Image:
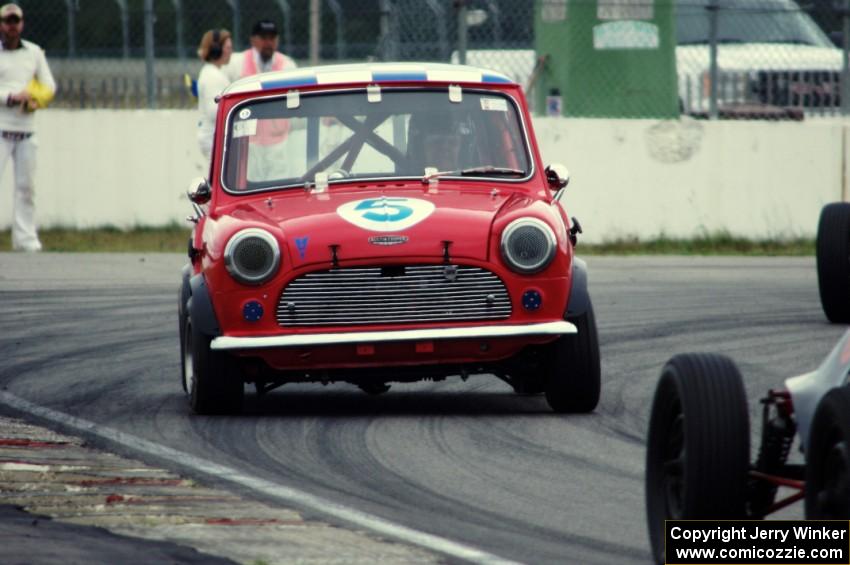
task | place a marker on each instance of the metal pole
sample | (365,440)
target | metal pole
(315,31)
(178,23)
(713,17)
(845,75)
(340,35)
(125,26)
(496,17)
(387,42)
(72,27)
(237,24)
(149,54)
(462,31)
(287,25)
(436,7)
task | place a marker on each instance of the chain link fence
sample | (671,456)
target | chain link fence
(733,58)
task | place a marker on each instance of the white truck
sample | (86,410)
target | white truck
(770,54)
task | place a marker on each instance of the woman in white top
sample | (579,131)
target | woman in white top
(215,50)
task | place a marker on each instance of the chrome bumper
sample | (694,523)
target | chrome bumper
(306,340)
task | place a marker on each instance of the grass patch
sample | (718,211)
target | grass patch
(717,244)
(173,238)
(167,239)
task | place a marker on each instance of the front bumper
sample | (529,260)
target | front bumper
(225,343)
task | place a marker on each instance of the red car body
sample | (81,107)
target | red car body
(237,332)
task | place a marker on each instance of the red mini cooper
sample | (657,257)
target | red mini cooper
(382,223)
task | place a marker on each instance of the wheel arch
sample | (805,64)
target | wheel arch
(200,308)
(578,302)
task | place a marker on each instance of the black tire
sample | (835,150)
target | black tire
(182,300)
(698,445)
(571,368)
(833,259)
(828,458)
(214,386)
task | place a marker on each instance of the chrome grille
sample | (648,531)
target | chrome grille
(393,294)
(809,89)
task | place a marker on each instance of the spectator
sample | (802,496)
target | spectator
(263,55)
(21,62)
(215,50)
(267,159)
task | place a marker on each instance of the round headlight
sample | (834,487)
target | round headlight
(528,245)
(252,256)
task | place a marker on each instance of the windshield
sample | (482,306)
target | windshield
(399,133)
(748,21)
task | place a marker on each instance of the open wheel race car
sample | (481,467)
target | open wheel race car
(698,446)
(382,223)
(698,453)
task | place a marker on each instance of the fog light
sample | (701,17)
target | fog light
(531,300)
(252,311)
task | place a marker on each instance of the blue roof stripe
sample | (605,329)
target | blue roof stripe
(290,82)
(495,79)
(388,76)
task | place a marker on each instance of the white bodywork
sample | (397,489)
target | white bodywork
(807,390)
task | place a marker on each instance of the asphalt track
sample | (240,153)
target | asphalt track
(95,336)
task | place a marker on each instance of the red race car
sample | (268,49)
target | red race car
(382,223)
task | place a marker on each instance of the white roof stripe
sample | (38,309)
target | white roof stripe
(246,86)
(343,76)
(450,75)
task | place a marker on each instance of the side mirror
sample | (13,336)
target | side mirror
(557,176)
(199,191)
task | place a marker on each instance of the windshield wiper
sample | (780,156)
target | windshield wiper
(476,171)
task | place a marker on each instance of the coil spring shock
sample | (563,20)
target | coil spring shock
(777,435)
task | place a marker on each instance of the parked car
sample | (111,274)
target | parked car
(382,223)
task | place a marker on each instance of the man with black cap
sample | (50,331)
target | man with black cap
(24,80)
(263,55)
(267,144)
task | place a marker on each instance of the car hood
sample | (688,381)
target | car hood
(694,59)
(364,224)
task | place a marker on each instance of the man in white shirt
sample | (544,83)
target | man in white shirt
(267,155)
(20,62)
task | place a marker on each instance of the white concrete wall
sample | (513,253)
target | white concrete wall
(683,178)
(629,177)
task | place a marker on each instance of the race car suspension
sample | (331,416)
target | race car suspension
(770,470)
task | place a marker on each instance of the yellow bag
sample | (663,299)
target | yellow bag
(40,93)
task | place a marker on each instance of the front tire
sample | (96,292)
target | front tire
(698,445)
(833,260)
(828,458)
(572,373)
(209,376)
